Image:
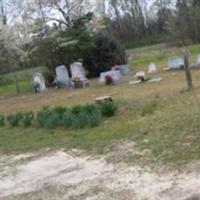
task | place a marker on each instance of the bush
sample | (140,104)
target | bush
(67,119)
(27,119)
(42,117)
(52,121)
(2,121)
(47,118)
(89,108)
(15,119)
(105,53)
(94,119)
(77,109)
(82,116)
(79,120)
(60,111)
(108,109)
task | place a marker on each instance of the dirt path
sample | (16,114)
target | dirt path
(60,176)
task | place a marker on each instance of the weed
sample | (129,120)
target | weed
(67,119)
(27,119)
(108,109)
(42,117)
(60,111)
(77,109)
(79,120)
(2,121)
(94,119)
(15,119)
(52,121)
(82,116)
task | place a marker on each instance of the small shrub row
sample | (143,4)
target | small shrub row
(16,119)
(2,121)
(76,117)
(108,109)
(79,116)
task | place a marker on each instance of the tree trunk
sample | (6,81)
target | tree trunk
(17,84)
(188,71)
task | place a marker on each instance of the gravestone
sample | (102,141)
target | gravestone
(198,61)
(125,69)
(78,74)
(152,68)
(175,63)
(39,83)
(77,70)
(62,74)
(114,74)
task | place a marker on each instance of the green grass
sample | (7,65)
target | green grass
(171,132)
(10,89)
(7,84)
(160,54)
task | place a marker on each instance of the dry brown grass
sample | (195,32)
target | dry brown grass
(173,83)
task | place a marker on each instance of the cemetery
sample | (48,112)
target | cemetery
(99,100)
(92,116)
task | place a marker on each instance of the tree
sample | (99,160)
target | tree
(184,25)
(62,46)
(12,54)
(104,54)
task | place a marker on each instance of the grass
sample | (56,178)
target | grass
(10,89)
(162,118)
(7,84)
(160,54)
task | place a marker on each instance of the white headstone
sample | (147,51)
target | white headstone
(152,68)
(175,63)
(39,80)
(77,70)
(115,74)
(198,60)
(125,69)
(62,74)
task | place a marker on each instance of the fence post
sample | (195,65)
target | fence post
(187,71)
(17,84)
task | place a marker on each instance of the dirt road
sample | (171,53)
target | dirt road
(62,176)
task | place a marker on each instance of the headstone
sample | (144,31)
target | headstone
(39,83)
(78,74)
(125,69)
(77,70)
(152,68)
(175,63)
(198,61)
(114,74)
(62,74)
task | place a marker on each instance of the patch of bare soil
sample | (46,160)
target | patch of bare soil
(62,176)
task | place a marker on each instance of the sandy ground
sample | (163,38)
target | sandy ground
(62,176)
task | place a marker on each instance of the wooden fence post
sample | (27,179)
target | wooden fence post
(187,71)
(17,84)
